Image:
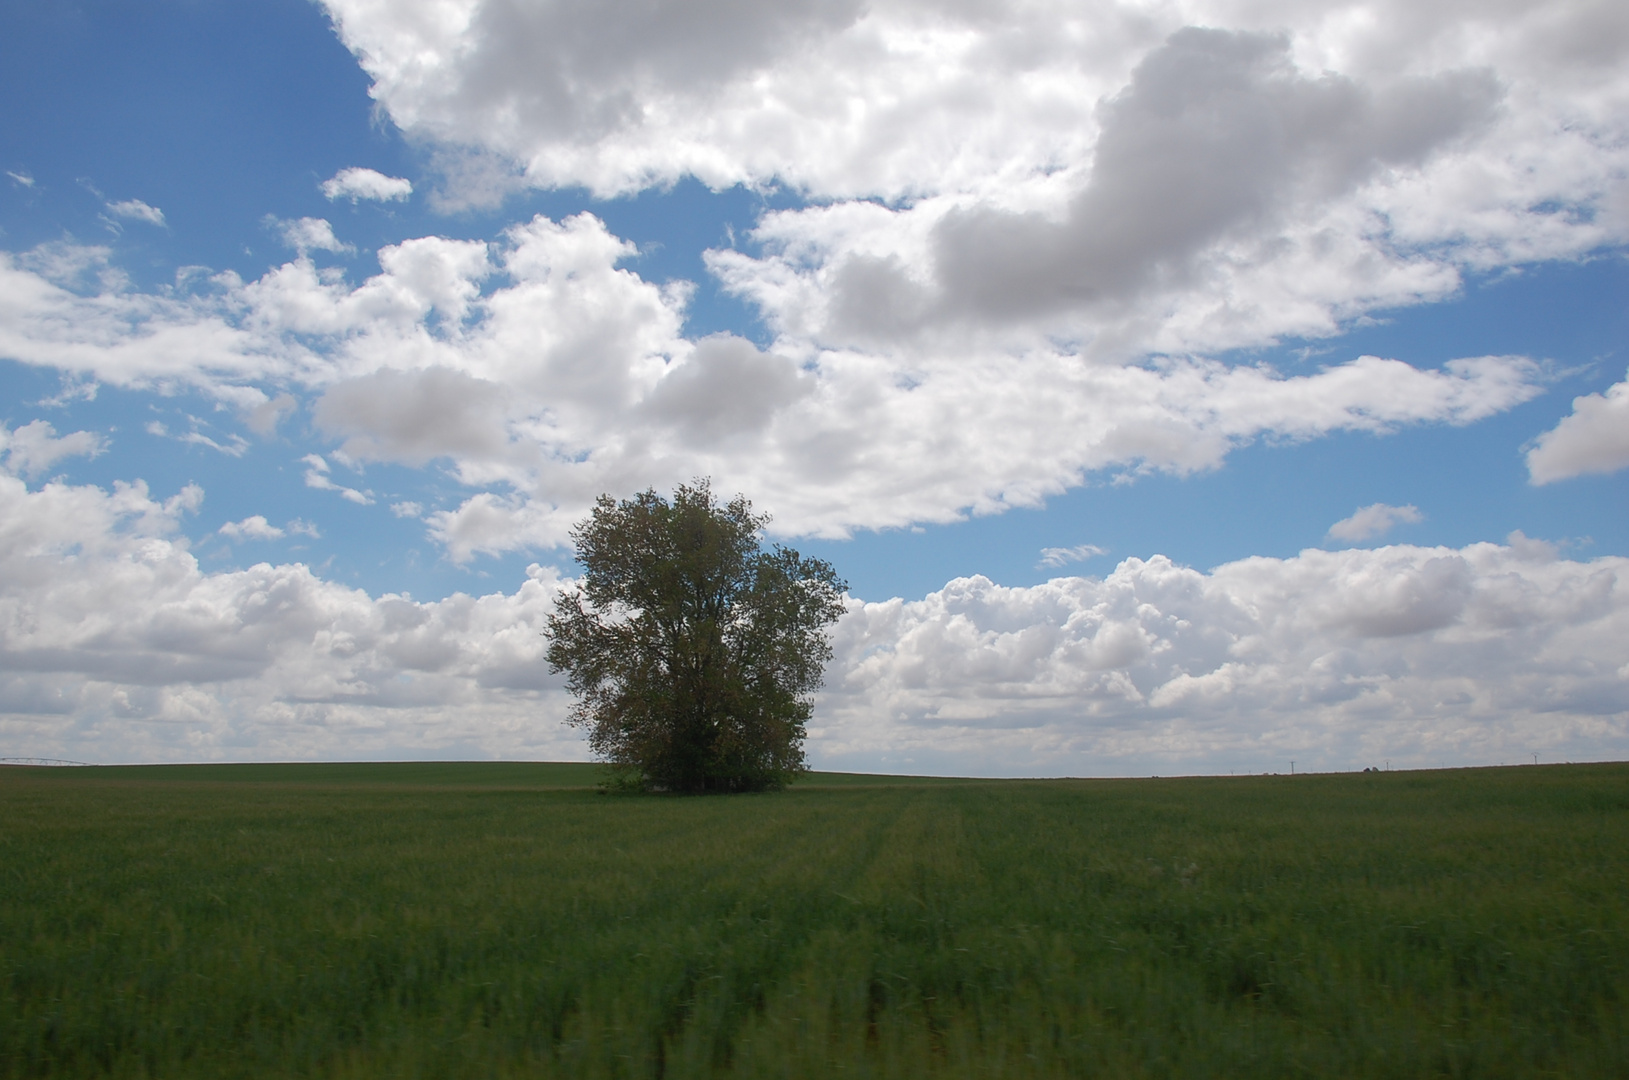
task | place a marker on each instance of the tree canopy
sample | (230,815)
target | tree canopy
(692,651)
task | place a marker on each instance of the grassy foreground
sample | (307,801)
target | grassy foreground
(504,920)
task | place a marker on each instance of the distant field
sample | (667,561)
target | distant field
(504,920)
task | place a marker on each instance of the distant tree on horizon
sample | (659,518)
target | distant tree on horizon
(692,651)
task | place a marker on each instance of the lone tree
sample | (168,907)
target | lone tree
(691,650)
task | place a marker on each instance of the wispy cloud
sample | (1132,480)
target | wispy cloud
(1062,556)
(316,476)
(21,178)
(136,210)
(1375,520)
(234,446)
(309,234)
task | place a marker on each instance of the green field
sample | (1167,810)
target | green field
(495,920)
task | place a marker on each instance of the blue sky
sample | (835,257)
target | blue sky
(1057,325)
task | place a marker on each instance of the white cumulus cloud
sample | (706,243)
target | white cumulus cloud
(1593,438)
(1377,519)
(33,448)
(359,183)
(251,528)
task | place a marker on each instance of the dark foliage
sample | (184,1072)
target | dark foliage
(692,650)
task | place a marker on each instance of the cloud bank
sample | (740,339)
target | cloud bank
(542,373)
(116,645)
(891,98)
(1035,234)
(114,641)
(1339,659)
(1128,178)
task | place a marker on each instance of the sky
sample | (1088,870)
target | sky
(1188,387)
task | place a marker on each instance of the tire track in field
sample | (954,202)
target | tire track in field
(793,867)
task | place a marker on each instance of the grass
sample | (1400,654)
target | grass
(504,920)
